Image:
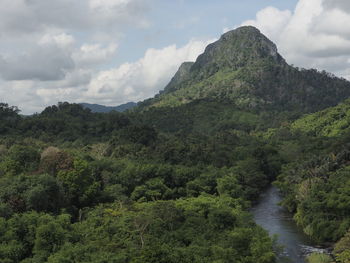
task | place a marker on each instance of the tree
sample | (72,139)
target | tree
(45,194)
(8,117)
(48,239)
(81,186)
(154,189)
(23,158)
(229,185)
(53,160)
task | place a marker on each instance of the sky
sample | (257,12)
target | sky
(115,51)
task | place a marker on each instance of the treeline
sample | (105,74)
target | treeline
(61,123)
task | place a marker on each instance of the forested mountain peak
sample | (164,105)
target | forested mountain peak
(236,49)
(245,69)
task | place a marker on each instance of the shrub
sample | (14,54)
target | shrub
(319,258)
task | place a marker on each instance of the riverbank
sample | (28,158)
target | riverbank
(277,221)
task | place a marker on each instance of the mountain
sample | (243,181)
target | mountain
(105,109)
(245,69)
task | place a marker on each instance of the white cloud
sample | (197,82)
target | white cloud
(15,91)
(107,4)
(332,22)
(143,78)
(61,39)
(20,17)
(337,4)
(314,35)
(50,50)
(271,20)
(93,54)
(128,82)
(45,40)
(41,63)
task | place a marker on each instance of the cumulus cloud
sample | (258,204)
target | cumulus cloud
(28,16)
(21,91)
(271,20)
(127,82)
(50,50)
(60,39)
(313,35)
(143,78)
(93,54)
(343,5)
(48,63)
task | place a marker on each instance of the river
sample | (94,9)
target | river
(277,221)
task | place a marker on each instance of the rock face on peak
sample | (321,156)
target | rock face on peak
(243,68)
(238,48)
(180,76)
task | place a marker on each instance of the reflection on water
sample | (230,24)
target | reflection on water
(278,221)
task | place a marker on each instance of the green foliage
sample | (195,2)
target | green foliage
(200,116)
(32,235)
(144,135)
(70,122)
(203,229)
(330,122)
(19,159)
(319,258)
(171,199)
(80,183)
(40,193)
(153,189)
(8,118)
(229,185)
(342,249)
(319,195)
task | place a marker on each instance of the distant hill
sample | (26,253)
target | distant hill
(105,109)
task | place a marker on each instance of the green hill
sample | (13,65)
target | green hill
(245,69)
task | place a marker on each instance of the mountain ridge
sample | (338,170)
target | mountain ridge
(105,109)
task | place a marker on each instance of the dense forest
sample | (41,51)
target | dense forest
(173,179)
(78,186)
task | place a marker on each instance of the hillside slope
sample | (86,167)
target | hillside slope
(334,121)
